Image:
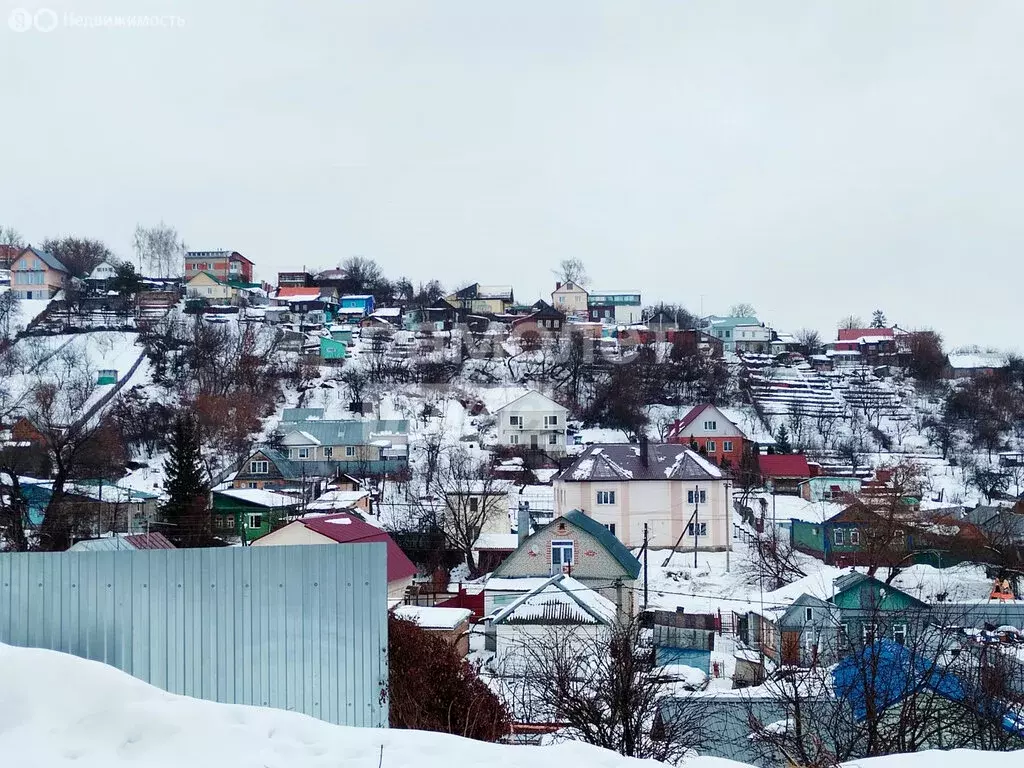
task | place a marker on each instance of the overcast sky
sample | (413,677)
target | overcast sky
(813,158)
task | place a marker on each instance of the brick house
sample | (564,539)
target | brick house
(575,544)
(712,432)
(226,266)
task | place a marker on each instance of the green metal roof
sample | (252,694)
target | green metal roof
(607,539)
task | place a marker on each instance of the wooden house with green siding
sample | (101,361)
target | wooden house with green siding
(250,512)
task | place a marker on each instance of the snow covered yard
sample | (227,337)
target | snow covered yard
(57,709)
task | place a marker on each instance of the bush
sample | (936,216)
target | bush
(432,688)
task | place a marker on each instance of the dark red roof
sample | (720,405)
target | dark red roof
(852,334)
(356,531)
(149,541)
(475,603)
(783,465)
(689,418)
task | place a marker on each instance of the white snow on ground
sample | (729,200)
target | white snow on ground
(28,310)
(955,758)
(60,710)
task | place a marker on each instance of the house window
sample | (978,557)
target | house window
(553,439)
(701,497)
(709,446)
(610,527)
(515,421)
(254,520)
(550,421)
(710,425)
(303,453)
(837,536)
(702,529)
(606,497)
(561,556)
(727,446)
(474,504)
(259,467)
(252,484)
(808,614)
(844,629)
(868,633)
(855,536)
(899,633)
(350,451)
(513,439)
(328,451)
(810,645)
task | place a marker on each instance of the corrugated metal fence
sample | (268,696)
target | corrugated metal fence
(301,628)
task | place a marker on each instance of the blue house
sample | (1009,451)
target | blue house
(884,676)
(354,307)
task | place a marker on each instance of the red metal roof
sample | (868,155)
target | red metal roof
(356,531)
(149,541)
(283,293)
(852,334)
(689,418)
(783,465)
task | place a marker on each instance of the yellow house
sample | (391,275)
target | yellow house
(206,286)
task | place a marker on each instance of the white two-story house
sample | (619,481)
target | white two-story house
(533,421)
(681,496)
(571,300)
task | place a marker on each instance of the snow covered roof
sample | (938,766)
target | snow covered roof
(501,542)
(388,312)
(623,462)
(337,500)
(433,618)
(559,599)
(123,542)
(974,360)
(259,497)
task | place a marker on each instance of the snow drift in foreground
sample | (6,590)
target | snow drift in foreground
(57,709)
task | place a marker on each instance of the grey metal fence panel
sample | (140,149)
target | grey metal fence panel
(302,628)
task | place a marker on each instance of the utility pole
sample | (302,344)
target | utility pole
(645,566)
(696,523)
(728,526)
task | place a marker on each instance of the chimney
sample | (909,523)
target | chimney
(644,450)
(523,524)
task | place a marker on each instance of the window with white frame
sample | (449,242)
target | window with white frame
(709,446)
(515,421)
(350,451)
(553,439)
(710,425)
(610,527)
(259,467)
(855,536)
(837,536)
(513,439)
(701,529)
(254,520)
(303,453)
(899,633)
(561,556)
(606,497)
(808,614)
(701,497)
(727,446)
(328,452)
(550,422)
(868,632)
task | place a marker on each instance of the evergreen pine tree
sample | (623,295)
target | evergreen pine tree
(878,319)
(782,444)
(187,509)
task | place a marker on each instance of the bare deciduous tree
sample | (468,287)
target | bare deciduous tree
(572,271)
(159,250)
(603,689)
